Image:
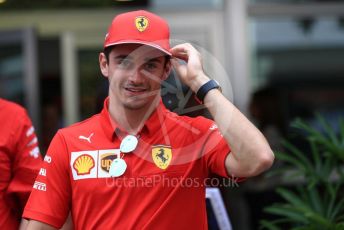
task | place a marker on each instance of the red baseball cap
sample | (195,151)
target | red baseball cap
(139,27)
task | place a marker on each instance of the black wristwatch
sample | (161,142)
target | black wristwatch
(204,89)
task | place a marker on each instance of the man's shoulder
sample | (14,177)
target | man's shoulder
(86,125)
(200,122)
(10,107)
(12,114)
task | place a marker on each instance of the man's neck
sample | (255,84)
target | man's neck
(131,120)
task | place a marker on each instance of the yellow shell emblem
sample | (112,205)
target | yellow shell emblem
(162,156)
(141,23)
(83,164)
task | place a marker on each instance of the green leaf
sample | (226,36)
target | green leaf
(312,182)
(338,209)
(327,168)
(318,220)
(293,199)
(268,225)
(299,155)
(315,154)
(302,228)
(331,202)
(299,124)
(341,125)
(277,171)
(291,159)
(328,129)
(316,201)
(290,212)
(316,135)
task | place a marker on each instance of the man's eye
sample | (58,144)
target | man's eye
(150,66)
(124,63)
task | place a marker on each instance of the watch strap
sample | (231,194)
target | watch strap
(204,89)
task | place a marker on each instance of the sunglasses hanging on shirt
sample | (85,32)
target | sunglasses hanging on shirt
(128,144)
(118,165)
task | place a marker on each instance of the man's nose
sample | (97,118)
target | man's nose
(136,76)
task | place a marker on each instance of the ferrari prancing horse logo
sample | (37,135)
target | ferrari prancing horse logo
(141,23)
(162,156)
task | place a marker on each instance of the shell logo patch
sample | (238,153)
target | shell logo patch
(162,156)
(141,23)
(83,164)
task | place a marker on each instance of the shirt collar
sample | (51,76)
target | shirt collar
(152,124)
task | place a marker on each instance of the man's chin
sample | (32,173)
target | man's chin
(136,104)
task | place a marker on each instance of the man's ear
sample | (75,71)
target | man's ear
(167,70)
(103,64)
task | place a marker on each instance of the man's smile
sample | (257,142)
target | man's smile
(135,91)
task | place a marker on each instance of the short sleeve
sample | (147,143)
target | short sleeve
(49,201)
(26,158)
(215,150)
(211,146)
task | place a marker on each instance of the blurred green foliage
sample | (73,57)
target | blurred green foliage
(317,203)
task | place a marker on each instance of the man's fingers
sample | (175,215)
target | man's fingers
(185,52)
(178,49)
(192,67)
(182,56)
(183,48)
(180,52)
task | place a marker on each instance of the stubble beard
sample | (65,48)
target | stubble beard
(142,102)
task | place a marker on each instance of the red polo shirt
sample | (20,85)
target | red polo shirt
(163,186)
(19,162)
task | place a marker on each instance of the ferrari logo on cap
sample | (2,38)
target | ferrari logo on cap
(141,23)
(162,156)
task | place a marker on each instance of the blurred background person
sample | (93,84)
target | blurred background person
(20,160)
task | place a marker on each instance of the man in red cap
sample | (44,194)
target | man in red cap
(137,165)
(20,160)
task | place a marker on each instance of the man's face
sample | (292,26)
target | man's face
(135,73)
